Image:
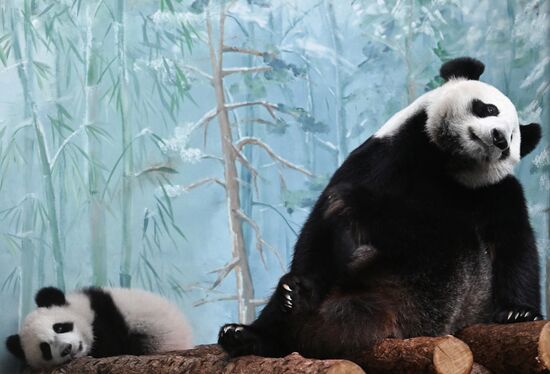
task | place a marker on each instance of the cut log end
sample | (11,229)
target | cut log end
(345,367)
(452,356)
(544,346)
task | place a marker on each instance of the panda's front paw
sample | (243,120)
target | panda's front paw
(238,340)
(517,314)
(296,294)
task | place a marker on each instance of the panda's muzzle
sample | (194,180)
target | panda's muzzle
(499,140)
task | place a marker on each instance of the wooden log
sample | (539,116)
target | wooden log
(202,359)
(441,355)
(510,348)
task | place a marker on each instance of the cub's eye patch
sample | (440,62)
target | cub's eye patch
(46,351)
(482,110)
(64,327)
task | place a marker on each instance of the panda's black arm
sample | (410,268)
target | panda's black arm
(516,281)
(396,227)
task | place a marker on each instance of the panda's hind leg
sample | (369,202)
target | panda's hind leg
(294,298)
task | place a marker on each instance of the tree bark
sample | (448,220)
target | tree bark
(510,348)
(203,359)
(444,354)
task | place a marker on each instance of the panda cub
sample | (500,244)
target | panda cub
(99,322)
(422,231)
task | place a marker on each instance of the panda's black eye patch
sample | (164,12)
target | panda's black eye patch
(46,351)
(64,327)
(482,110)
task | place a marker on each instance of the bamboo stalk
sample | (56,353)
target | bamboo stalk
(96,211)
(127,158)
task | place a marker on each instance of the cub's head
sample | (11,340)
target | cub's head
(477,125)
(56,332)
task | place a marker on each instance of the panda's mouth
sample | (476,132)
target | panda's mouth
(474,137)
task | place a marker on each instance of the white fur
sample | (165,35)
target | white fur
(153,315)
(451,103)
(143,312)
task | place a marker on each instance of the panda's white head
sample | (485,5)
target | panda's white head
(56,332)
(477,125)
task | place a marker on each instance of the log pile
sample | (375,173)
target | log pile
(479,349)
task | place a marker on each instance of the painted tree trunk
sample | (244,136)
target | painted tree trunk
(127,157)
(341,125)
(96,210)
(245,290)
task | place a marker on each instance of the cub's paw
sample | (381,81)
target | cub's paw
(238,340)
(296,294)
(517,314)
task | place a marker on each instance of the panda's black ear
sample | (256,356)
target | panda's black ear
(462,67)
(530,137)
(49,296)
(13,343)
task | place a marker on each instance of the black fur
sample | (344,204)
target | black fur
(112,336)
(438,256)
(530,137)
(482,110)
(13,344)
(462,67)
(49,296)
(46,351)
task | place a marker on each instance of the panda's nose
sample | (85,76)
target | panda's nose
(499,140)
(66,350)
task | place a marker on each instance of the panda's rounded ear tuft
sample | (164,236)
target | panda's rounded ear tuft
(530,138)
(462,67)
(13,343)
(49,296)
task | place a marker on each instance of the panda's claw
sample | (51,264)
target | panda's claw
(518,314)
(286,287)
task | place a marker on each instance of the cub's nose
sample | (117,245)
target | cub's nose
(499,140)
(66,350)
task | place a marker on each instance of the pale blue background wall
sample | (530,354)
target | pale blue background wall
(81,203)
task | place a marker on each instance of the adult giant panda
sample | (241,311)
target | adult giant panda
(99,322)
(423,230)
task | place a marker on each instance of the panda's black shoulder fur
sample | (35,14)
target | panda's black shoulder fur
(462,67)
(112,335)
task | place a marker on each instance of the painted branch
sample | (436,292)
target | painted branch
(246,70)
(510,348)
(203,359)
(442,355)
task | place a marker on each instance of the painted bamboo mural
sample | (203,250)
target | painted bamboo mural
(178,145)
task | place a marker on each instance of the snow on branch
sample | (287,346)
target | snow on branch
(245,70)
(198,72)
(326,144)
(255,141)
(260,242)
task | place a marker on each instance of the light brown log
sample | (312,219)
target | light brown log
(441,355)
(510,348)
(203,359)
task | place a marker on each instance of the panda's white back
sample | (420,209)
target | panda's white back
(154,316)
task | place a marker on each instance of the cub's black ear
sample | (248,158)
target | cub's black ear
(530,137)
(13,343)
(462,67)
(49,296)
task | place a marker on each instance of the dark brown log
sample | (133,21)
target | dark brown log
(510,348)
(203,359)
(442,355)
